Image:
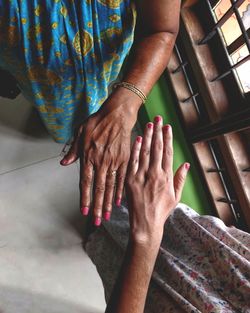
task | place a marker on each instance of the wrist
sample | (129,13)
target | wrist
(148,252)
(130,99)
(148,241)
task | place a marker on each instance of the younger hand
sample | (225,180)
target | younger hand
(151,187)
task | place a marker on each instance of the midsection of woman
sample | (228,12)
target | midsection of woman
(64,54)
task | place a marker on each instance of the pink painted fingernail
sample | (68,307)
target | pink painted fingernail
(157,119)
(150,125)
(107,215)
(63,162)
(118,202)
(187,166)
(166,127)
(98,221)
(85,211)
(139,139)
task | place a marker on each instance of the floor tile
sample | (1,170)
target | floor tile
(23,138)
(43,267)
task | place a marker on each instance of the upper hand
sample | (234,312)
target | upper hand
(103,144)
(152,189)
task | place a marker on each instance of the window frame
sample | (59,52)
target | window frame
(223,122)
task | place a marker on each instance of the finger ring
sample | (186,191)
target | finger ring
(113,173)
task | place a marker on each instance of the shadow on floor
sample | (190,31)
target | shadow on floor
(18,115)
(20,301)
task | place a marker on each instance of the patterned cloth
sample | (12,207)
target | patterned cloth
(64,54)
(202,266)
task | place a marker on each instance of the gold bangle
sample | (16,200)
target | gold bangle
(132,88)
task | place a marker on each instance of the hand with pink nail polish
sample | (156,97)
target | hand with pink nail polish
(152,189)
(103,144)
(152,192)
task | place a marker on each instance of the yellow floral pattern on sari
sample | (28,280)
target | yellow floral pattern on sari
(64,54)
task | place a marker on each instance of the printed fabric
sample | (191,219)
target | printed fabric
(202,266)
(64,54)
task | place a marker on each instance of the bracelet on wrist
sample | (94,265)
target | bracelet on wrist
(132,88)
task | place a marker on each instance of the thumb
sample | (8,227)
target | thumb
(74,152)
(180,179)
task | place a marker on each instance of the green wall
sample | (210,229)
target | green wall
(160,102)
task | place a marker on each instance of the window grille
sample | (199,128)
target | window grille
(212,88)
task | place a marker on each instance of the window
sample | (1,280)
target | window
(210,74)
(235,32)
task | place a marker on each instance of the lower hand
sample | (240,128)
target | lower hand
(151,187)
(103,144)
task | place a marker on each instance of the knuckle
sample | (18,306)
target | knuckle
(130,181)
(110,184)
(180,179)
(135,161)
(169,152)
(158,144)
(139,179)
(152,178)
(145,152)
(97,146)
(135,182)
(99,188)
(86,181)
(154,172)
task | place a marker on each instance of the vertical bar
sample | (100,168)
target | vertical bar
(242,27)
(228,198)
(187,80)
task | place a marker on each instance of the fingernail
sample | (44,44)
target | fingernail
(139,139)
(98,221)
(63,162)
(118,201)
(107,215)
(85,211)
(157,119)
(187,166)
(150,125)
(166,127)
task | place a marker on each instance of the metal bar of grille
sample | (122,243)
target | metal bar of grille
(187,79)
(247,58)
(221,22)
(180,67)
(215,170)
(224,200)
(214,2)
(191,97)
(237,43)
(246,169)
(242,27)
(228,199)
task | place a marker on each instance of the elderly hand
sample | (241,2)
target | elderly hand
(151,187)
(103,144)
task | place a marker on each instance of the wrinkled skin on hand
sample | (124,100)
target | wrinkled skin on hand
(103,145)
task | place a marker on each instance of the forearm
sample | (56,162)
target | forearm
(156,31)
(148,59)
(130,291)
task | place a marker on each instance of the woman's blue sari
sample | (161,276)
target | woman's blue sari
(64,54)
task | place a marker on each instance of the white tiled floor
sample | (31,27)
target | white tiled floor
(43,268)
